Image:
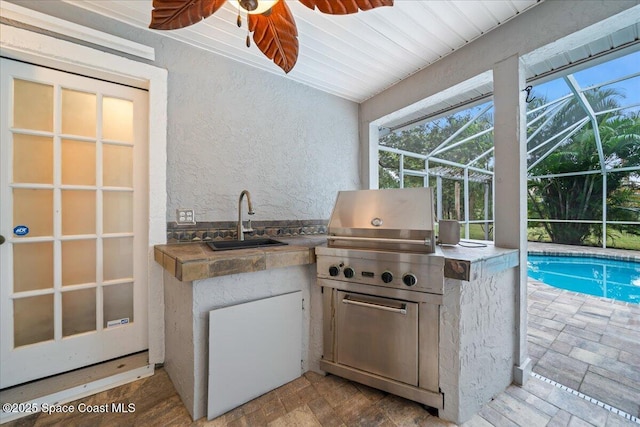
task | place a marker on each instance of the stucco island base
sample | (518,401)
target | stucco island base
(477,336)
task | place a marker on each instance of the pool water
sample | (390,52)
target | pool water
(609,278)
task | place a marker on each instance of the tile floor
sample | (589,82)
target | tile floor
(317,401)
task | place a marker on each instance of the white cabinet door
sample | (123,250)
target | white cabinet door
(254,348)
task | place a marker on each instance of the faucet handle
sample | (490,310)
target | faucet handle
(248,229)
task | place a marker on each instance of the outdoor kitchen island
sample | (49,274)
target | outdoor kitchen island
(476,328)
(434,323)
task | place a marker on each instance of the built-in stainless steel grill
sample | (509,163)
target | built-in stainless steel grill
(382,290)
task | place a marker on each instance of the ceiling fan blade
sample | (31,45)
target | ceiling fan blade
(276,35)
(174,14)
(344,7)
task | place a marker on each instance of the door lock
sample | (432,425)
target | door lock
(1,239)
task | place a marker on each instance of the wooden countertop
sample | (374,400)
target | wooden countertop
(476,259)
(196,261)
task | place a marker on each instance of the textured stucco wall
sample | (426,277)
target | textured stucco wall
(178,327)
(291,146)
(232,127)
(477,341)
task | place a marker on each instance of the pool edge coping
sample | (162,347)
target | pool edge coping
(585,255)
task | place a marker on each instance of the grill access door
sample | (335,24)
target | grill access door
(378,335)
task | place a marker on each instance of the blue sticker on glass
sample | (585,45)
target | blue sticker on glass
(21,230)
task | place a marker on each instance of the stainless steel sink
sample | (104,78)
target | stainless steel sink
(228,245)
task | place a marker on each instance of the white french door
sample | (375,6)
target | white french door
(74,214)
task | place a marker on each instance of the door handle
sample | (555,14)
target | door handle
(402,310)
(1,239)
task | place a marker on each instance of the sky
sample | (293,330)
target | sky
(626,65)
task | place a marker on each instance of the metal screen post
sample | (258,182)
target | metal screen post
(604,209)
(466,203)
(486,211)
(439,197)
(401,170)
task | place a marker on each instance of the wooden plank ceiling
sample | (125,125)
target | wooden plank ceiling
(351,56)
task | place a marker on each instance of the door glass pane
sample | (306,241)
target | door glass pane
(118,211)
(32,319)
(78,162)
(117,119)
(32,105)
(78,212)
(78,262)
(117,170)
(78,113)
(25,257)
(33,209)
(78,311)
(118,258)
(118,304)
(32,159)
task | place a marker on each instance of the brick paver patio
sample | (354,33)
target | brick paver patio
(587,343)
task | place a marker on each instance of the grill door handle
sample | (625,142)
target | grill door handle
(423,242)
(402,310)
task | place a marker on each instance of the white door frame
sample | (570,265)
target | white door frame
(48,51)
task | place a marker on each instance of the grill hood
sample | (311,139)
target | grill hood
(399,219)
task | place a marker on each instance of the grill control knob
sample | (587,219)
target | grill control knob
(387,277)
(409,279)
(334,270)
(349,272)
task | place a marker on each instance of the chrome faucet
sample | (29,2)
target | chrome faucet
(241,228)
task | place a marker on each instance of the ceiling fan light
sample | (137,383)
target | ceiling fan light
(261,6)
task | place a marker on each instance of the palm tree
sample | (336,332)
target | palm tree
(579,197)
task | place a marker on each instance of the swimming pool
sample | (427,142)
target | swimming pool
(609,278)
